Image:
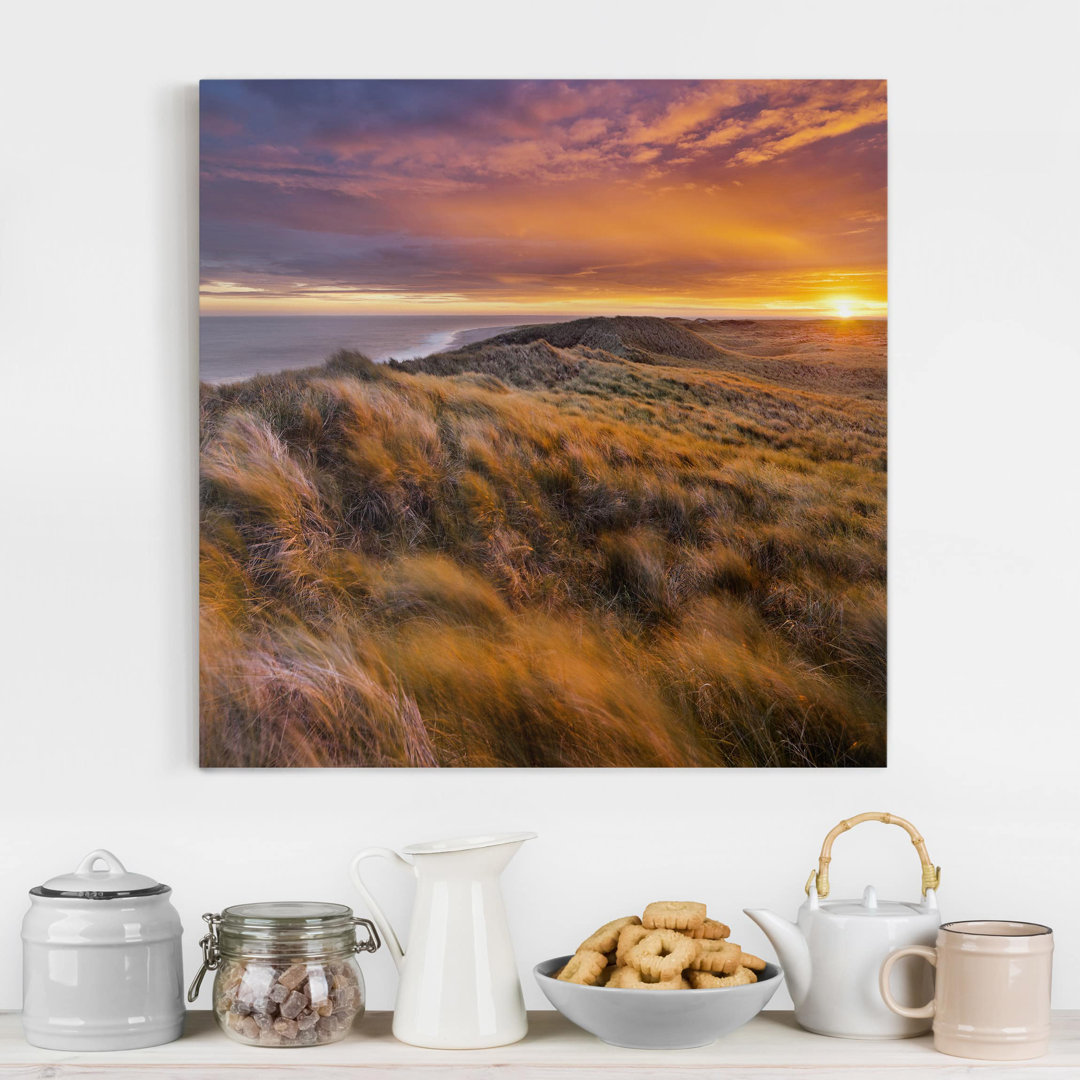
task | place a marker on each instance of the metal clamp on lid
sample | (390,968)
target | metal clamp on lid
(373,941)
(211,955)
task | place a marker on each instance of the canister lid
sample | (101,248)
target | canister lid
(108,883)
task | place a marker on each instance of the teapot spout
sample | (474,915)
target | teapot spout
(790,945)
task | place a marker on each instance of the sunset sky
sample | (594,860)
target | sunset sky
(726,197)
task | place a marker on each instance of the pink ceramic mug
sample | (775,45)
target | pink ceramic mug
(991,990)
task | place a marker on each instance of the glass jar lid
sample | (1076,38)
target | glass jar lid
(294,927)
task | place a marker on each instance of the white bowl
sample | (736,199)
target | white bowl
(657,1019)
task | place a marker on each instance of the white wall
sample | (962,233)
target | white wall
(97,547)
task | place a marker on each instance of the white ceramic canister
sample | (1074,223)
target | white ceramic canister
(102,966)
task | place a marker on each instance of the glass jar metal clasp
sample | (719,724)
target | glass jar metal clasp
(211,954)
(372,942)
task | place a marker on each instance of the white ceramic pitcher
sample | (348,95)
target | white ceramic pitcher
(459,985)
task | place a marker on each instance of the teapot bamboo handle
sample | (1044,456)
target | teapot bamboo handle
(381,921)
(819,878)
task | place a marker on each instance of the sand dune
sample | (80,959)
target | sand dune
(627,541)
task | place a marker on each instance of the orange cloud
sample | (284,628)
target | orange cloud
(541,196)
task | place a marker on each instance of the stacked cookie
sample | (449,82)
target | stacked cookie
(673,946)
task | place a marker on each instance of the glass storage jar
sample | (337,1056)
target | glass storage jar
(286,973)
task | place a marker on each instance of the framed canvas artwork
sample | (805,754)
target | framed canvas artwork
(543,423)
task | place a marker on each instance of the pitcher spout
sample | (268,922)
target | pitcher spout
(790,945)
(485,854)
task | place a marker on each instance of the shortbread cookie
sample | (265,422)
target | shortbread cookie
(664,954)
(711,930)
(628,978)
(749,960)
(628,938)
(605,976)
(719,957)
(673,915)
(607,937)
(583,967)
(704,980)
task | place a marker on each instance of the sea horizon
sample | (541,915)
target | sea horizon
(720,316)
(233,347)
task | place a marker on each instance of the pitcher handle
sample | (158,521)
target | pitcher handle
(923,1012)
(381,921)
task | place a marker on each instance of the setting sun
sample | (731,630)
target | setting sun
(739,198)
(582,385)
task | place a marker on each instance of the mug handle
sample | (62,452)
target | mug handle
(923,1012)
(381,921)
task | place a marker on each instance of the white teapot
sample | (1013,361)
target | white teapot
(833,954)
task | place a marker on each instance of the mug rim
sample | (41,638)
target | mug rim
(1036,929)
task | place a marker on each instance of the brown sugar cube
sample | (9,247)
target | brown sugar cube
(232,973)
(329,1025)
(294,1005)
(247,1027)
(292,977)
(278,993)
(324,1008)
(286,1028)
(307,1020)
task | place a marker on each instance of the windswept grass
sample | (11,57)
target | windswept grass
(602,542)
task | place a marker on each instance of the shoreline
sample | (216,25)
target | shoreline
(461,338)
(436,341)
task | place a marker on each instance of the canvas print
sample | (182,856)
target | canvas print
(543,423)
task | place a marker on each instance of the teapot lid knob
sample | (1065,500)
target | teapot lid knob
(869,897)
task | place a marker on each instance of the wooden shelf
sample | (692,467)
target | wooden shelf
(770,1047)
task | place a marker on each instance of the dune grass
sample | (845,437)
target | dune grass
(606,542)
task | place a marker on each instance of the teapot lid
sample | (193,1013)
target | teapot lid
(871,906)
(86,883)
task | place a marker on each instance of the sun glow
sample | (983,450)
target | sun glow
(726,198)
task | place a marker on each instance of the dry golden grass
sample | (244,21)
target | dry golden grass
(606,542)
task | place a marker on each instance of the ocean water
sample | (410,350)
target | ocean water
(238,346)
